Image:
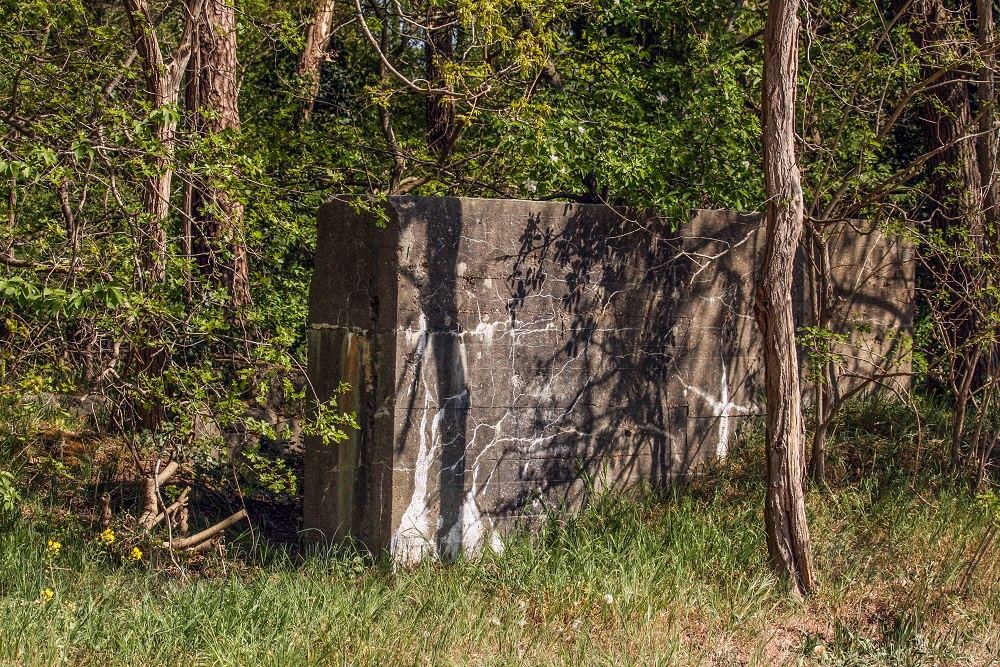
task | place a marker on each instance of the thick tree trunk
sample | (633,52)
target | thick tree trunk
(987,152)
(987,143)
(784,509)
(956,187)
(438,49)
(217,216)
(948,122)
(311,62)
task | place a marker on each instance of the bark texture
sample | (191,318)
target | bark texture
(784,510)
(949,123)
(163,80)
(438,49)
(213,96)
(956,174)
(311,63)
(987,143)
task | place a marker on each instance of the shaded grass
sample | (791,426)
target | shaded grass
(670,578)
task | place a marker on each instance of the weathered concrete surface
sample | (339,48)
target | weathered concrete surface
(510,357)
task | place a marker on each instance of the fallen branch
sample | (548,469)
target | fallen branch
(207,545)
(176,505)
(167,473)
(150,502)
(207,534)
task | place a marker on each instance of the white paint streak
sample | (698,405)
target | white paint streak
(722,407)
(413,539)
(722,448)
(418,338)
(416,537)
(486,331)
(476,531)
(471,533)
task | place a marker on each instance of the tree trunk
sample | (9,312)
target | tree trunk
(311,62)
(821,287)
(163,81)
(981,447)
(957,212)
(962,389)
(987,143)
(948,122)
(784,509)
(217,216)
(187,199)
(438,49)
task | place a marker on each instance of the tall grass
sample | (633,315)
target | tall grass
(669,578)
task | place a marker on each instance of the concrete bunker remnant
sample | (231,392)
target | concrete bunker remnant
(507,358)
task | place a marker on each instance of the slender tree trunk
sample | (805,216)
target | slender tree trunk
(187,201)
(217,215)
(784,509)
(311,62)
(981,448)
(969,362)
(163,81)
(983,460)
(817,456)
(822,293)
(385,121)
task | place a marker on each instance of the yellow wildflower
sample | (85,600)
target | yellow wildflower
(135,554)
(107,537)
(53,547)
(46,594)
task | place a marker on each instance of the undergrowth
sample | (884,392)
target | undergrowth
(675,577)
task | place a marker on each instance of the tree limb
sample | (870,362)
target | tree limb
(207,534)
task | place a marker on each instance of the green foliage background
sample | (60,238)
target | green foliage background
(653,102)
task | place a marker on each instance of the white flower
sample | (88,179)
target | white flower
(609,598)
(661,98)
(531,185)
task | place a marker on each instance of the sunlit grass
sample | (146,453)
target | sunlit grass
(676,578)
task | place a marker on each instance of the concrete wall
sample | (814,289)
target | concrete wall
(511,357)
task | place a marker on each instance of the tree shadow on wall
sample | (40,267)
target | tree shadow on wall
(624,294)
(629,354)
(435,382)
